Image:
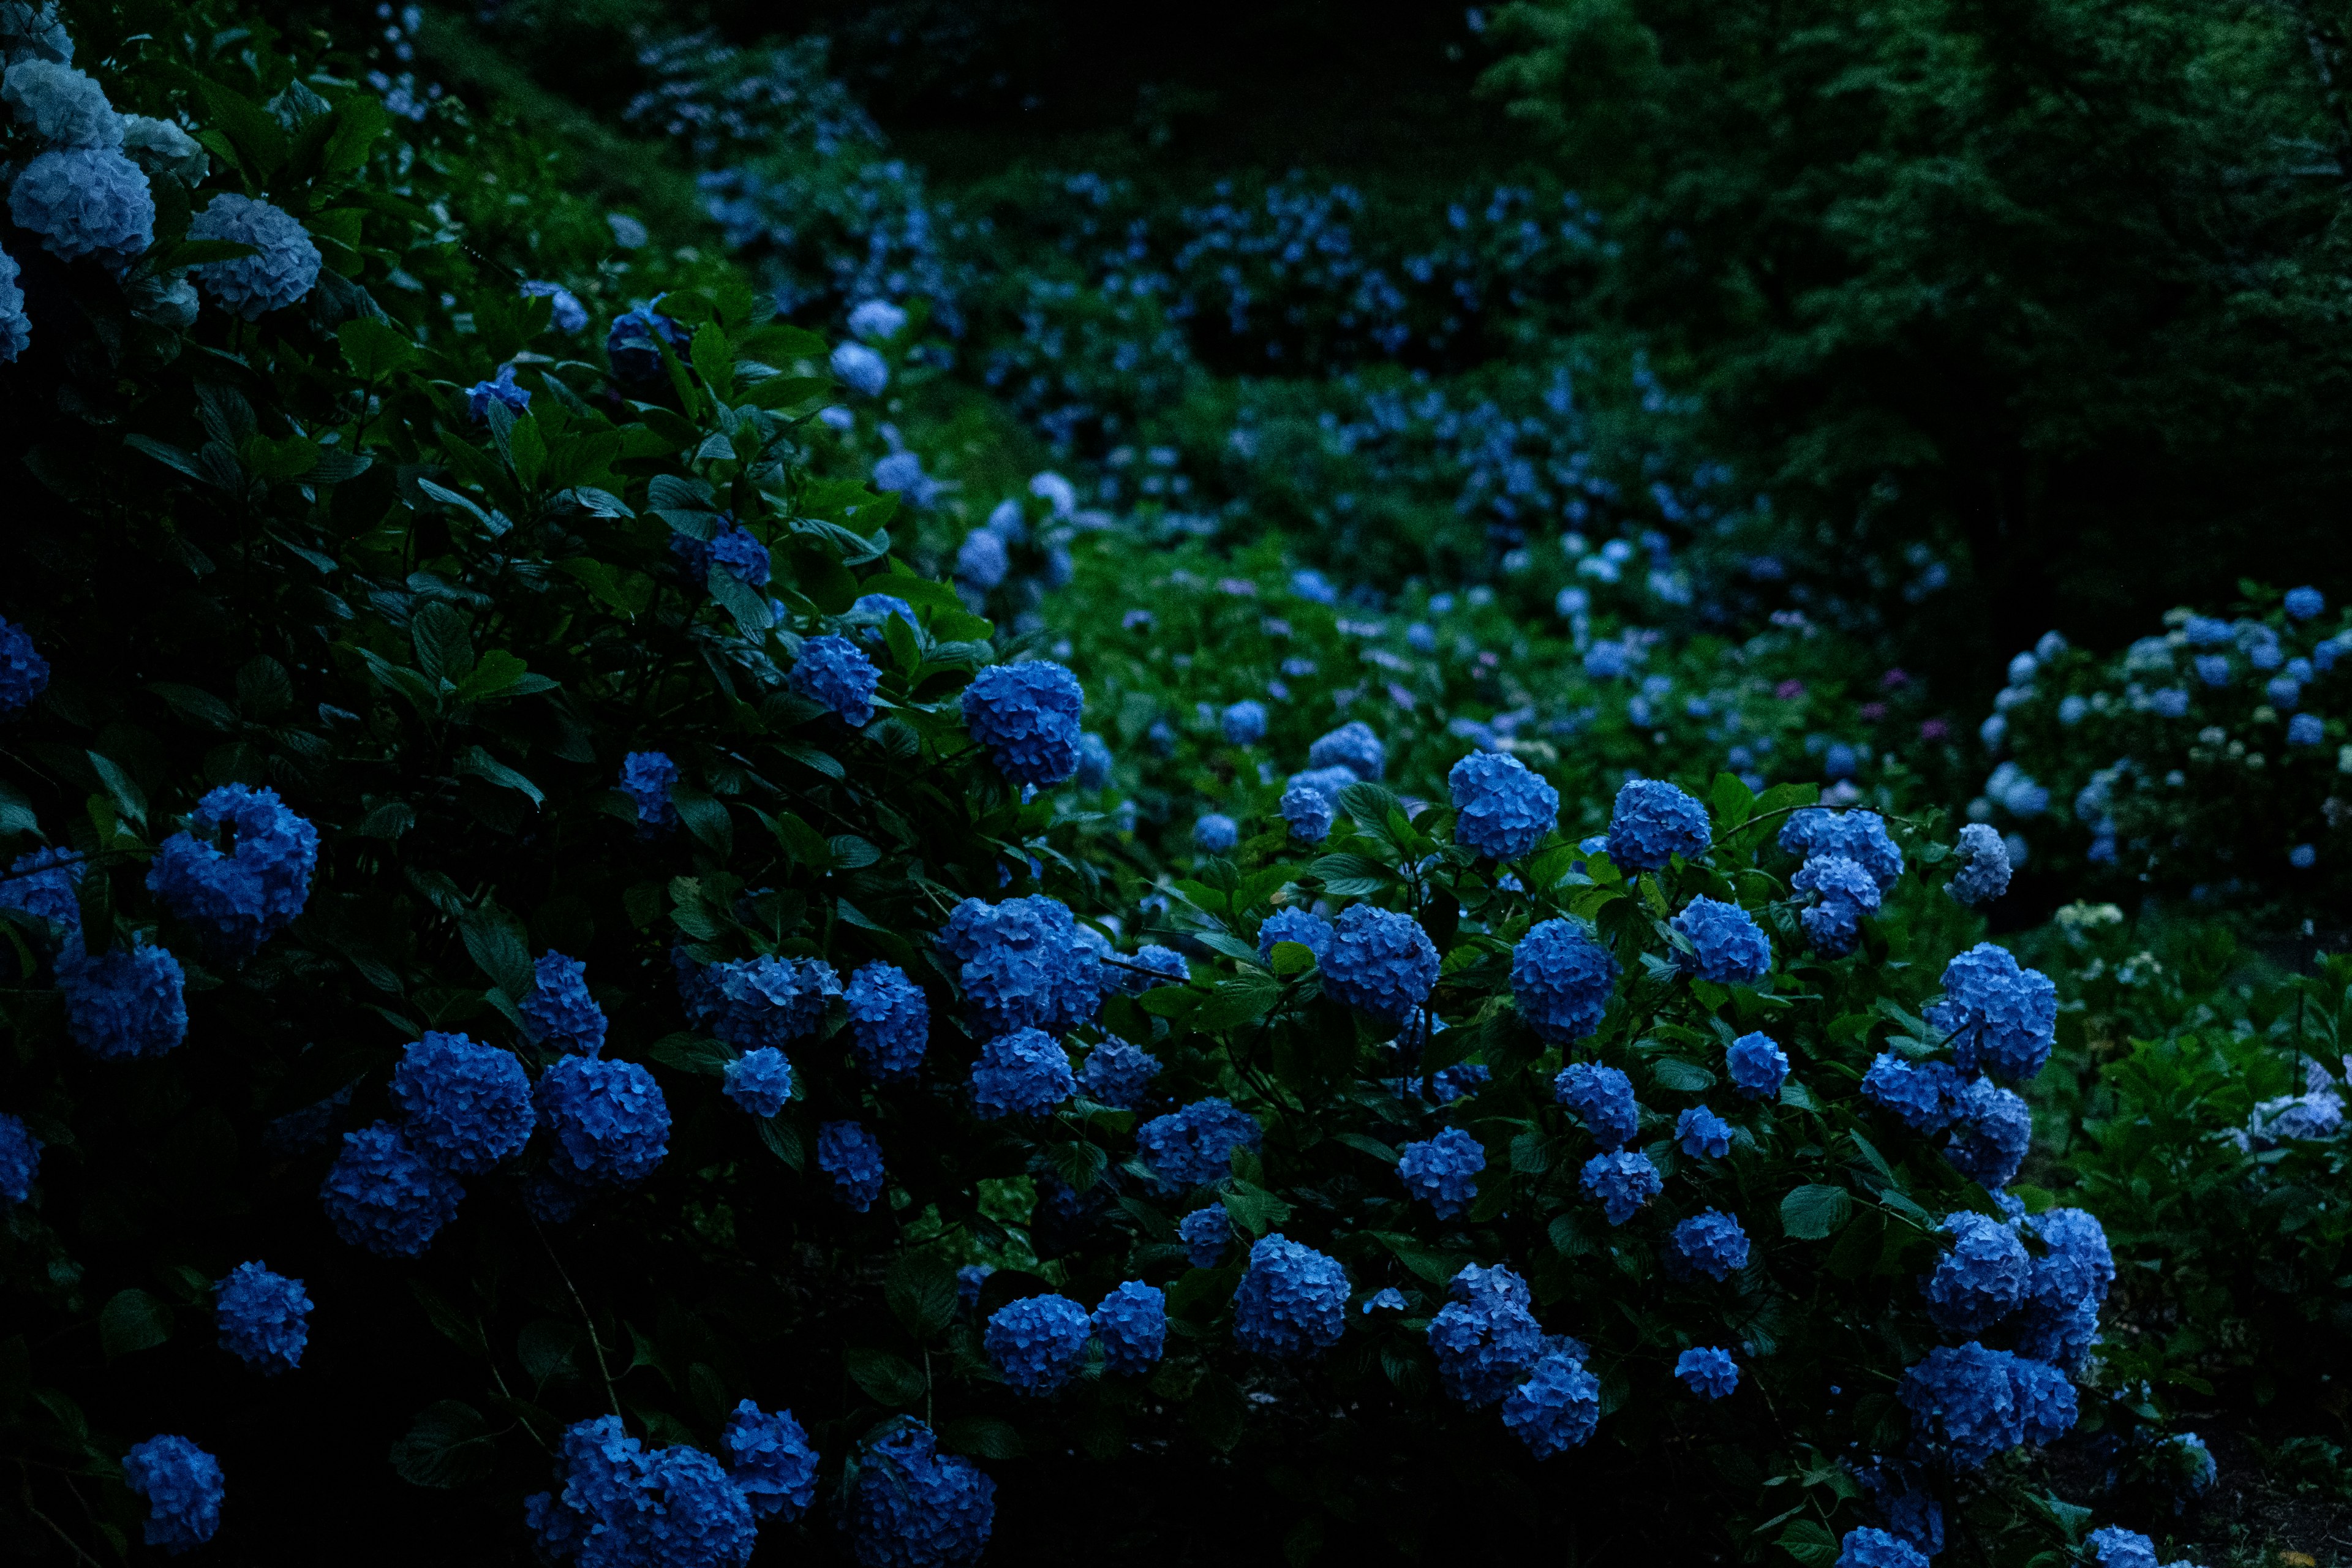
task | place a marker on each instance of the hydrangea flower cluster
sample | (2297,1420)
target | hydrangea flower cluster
(1506,808)
(620,1506)
(1244,723)
(252,892)
(1978,1403)
(1485,1337)
(1023,1073)
(1304,927)
(263,1318)
(126,1003)
(1726,945)
(1132,1325)
(1094,761)
(731,547)
(1027,716)
(1604,1097)
(1708,1371)
(281,271)
(1292,1302)
(1652,823)
(646,778)
(1757,1065)
(1926,1096)
(1206,1232)
(850,1159)
(1699,1132)
(182,1486)
(1860,836)
(1380,963)
(1981,1278)
(610,1122)
(2068,1285)
(915,1507)
(1119,1073)
(1193,1146)
(1843,893)
(1215,833)
(860,368)
(1620,1183)
(1870,1547)
(20,1158)
(503,390)
(84,201)
(1037,1344)
(23,673)
(1556,1408)
(16,337)
(1984,871)
(1307,811)
(1561,981)
(60,105)
(760,1081)
(2001,1018)
(565,314)
(766,1001)
(558,1012)
(836,673)
(771,1460)
(634,345)
(1990,1135)
(1022,965)
(1711,1243)
(381,1195)
(1352,746)
(889,1022)
(1442,1171)
(467,1106)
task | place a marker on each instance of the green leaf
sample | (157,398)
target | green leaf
(1369,1146)
(360,120)
(784,1141)
(444,643)
(921,1290)
(692,1053)
(1809,1542)
(448,1322)
(714,360)
(482,765)
(132,1320)
(260,142)
(495,941)
(1681,1077)
(449,1445)
(1292,958)
(1079,1163)
(1246,996)
(628,593)
(887,1379)
(706,818)
(497,675)
(981,1438)
(1815,1211)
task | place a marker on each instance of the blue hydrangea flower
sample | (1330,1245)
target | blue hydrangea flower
(60,105)
(769,1000)
(2303,856)
(2305,603)
(1023,1073)
(1757,1065)
(835,672)
(181,1485)
(559,1011)
(2076,1264)
(621,1506)
(264,1318)
(1700,1132)
(980,559)
(1206,1232)
(1293,1299)
(2116,1547)
(1038,1342)
(565,314)
(1486,1337)
(1729,949)
(1978,1403)
(731,546)
(915,1507)
(1216,834)
(1244,722)
(251,893)
(851,1159)
(1193,1147)
(2206,631)
(2001,1018)
(1860,836)
(1711,1243)
(44,885)
(760,1081)
(2305,730)
(878,608)
(1444,1171)
(1556,1408)
(381,1195)
(1131,1322)
(1652,823)
(1352,746)
(1307,811)
(645,779)
(1022,965)
(1604,1098)
(1304,927)
(20,1159)
(23,673)
(84,201)
(1708,1371)
(1388,1298)
(1380,963)
(282,270)
(610,1122)
(1027,716)
(1094,762)
(889,1022)
(1313,586)
(1990,1135)
(1620,1183)
(1981,1278)
(2212,668)
(1906,1506)
(1845,893)
(125,1003)
(878,318)
(634,344)
(1506,808)
(861,368)
(1984,870)
(2192,1463)
(467,1106)
(1561,980)
(1870,1547)
(1926,1096)
(1447,1085)
(771,1461)
(1119,1073)
(482,393)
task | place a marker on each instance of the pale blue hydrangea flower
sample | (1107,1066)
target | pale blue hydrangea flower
(281,272)
(84,201)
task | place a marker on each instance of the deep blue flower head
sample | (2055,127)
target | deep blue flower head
(1978,1403)
(2284,691)
(915,1507)
(254,890)
(1833,927)
(264,1318)
(1984,871)
(969,1279)
(835,672)
(2207,631)
(1293,1300)
(1119,1073)
(1556,1408)
(730,546)
(20,1159)
(880,607)
(1926,1096)
(1206,1232)
(2116,1547)
(84,201)
(1608,660)
(1216,833)
(1194,1146)
(124,1002)
(769,1001)
(645,779)
(1700,1132)
(771,1461)
(1907,1508)
(889,1022)
(1561,980)
(23,673)
(1486,1337)
(634,344)
(851,1159)
(2213,668)
(2047,1400)
(1506,808)
(1132,1324)
(1604,1098)
(1990,1135)
(1652,823)
(1756,1064)
(1038,1342)
(482,393)
(1870,1547)
(1023,1073)
(1094,762)
(2076,1264)
(2189,1463)
(565,314)
(467,1106)
(760,1081)
(1307,811)
(1981,1278)
(1380,963)
(1325,782)
(2305,603)
(44,885)
(282,270)
(1312,585)
(878,318)
(16,337)
(1858,836)
(182,1486)
(1837,881)
(674,1506)
(1244,722)
(1730,949)
(1027,716)
(559,1011)
(1304,927)
(861,368)
(2001,1018)
(1620,1183)
(980,560)
(1708,1371)
(1444,1171)
(381,1195)
(610,1122)
(1022,965)
(2063,1336)
(1352,746)
(60,104)
(2305,730)
(1711,1243)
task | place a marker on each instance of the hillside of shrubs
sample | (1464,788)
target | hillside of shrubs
(917,785)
